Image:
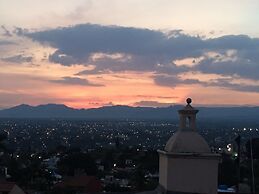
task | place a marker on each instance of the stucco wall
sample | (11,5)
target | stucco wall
(163,170)
(189,175)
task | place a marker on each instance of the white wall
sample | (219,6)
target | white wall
(195,175)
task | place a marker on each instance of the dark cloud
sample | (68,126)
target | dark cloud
(241,67)
(161,97)
(152,51)
(228,84)
(146,48)
(18,59)
(58,57)
(92,72)
(80,41)
(173,81)
(6,42)
(225,83)
(152,104)
(134,63)
(75,81)
(20,31)
(238,42)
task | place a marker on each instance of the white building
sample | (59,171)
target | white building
(186,165)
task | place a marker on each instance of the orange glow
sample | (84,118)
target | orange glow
(34,87)
(31,83)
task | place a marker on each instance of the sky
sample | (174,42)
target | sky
(93,53)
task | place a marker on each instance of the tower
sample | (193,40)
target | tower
(186,165)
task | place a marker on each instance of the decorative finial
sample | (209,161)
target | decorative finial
(189,100)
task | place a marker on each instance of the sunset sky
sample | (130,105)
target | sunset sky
(92,53)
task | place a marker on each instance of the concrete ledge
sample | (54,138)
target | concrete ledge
(190,155)
(161,190)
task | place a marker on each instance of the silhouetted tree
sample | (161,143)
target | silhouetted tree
(3,137)
(75,161)
(227,171)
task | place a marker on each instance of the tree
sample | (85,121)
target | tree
(3,137)
(74,161)
(227,171)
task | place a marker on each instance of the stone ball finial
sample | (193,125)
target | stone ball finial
(189,100)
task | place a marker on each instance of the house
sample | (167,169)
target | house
(10,188)
(80,183)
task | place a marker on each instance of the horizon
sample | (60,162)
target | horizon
(114,105)
(143,54)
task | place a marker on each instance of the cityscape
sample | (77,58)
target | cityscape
(122,154)
(41,135)
(129,97)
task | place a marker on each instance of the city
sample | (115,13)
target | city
(129,97)
(121,154)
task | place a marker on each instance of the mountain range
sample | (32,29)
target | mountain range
(127,112)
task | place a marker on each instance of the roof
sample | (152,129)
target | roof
(6,186)
(87,183)
(187,139)
(187,142)
(10,187)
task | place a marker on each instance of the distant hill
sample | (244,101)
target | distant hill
(127,112)
(106,112)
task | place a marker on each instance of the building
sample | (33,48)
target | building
(79,183)
(186,165)
(10,188)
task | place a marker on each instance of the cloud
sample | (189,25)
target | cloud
(238,42)
(58,57)
(153,104)
(109,104)
(173,81)
(5,42)
(18,59)
(20,31)
(92,72)
(75,81)
(226,83)
(80,41)
(241,67)
(111,49)
(146,48)
(160,97)
(133,63)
